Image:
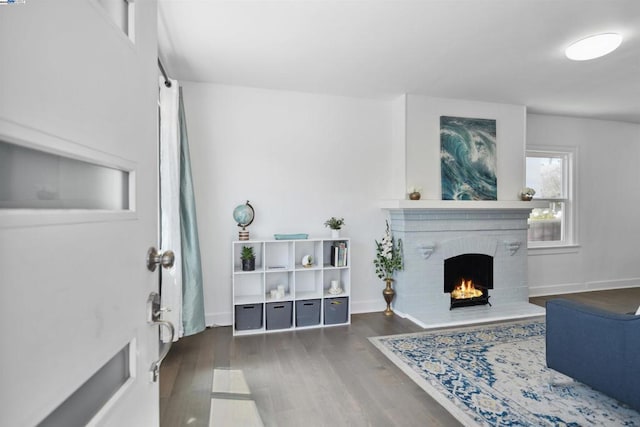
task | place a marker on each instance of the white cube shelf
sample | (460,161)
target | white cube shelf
(279,262)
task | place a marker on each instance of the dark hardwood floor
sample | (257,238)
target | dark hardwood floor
(318,377)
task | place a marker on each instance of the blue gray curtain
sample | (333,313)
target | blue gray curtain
(192,297)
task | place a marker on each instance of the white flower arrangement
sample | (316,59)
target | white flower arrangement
(388,256)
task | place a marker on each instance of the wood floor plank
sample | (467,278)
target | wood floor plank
(316,377)
(229,412)
(616,300)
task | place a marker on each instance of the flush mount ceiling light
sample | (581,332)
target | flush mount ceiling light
(593,46)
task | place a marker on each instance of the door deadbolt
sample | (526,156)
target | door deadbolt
(165,259)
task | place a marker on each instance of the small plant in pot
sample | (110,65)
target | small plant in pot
(527,194)
(335,224)
(248,258)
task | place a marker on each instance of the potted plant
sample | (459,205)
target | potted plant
(388,260)
(335,224)
(527,193)
(248,258)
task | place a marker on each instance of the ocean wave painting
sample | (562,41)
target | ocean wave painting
(468,158)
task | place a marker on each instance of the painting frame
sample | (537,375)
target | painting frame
(468,158)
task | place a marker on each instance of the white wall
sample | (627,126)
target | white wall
(299,159)
(608,196)
(423,142)
(398,155)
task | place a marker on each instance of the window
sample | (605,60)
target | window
(122,14)
(550,171)
(35,179)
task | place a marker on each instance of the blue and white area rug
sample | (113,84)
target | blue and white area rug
(496,375)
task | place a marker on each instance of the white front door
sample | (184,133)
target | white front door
(78,212)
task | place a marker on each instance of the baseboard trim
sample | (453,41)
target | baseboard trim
(572,288)
(368,306)
(218,319)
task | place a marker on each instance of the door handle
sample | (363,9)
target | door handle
(154,311)
(165,259)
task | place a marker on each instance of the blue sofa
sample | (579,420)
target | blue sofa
(596,347)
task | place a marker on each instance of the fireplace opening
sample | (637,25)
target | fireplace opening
(468,278)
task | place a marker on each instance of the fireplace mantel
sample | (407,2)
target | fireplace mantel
(461,204)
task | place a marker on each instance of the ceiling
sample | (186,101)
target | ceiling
(505,51)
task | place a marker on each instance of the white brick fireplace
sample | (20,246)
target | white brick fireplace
(433,231)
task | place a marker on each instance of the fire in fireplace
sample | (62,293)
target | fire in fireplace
(468,278)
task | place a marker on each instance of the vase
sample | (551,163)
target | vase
(335,234)
(526,197)
(414,196)
(388,293)
(249,264)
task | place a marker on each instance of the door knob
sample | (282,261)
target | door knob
(165,259)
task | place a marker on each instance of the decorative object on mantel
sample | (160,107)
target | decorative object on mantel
(426,249)
(527,194)
(468,158)
(388,261)
(512,246)
(248,258)
(414,193)
(244,215)
(335,224)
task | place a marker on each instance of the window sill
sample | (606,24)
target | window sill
(553,250)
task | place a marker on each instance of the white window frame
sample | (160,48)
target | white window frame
(569,241)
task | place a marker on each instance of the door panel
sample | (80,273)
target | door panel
(74,283)
(97,392)
(74,295)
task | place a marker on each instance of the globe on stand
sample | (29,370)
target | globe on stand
(244,215)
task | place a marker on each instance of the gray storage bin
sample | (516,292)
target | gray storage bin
(248,316)
(308,312)
(336,310)
(279,315)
